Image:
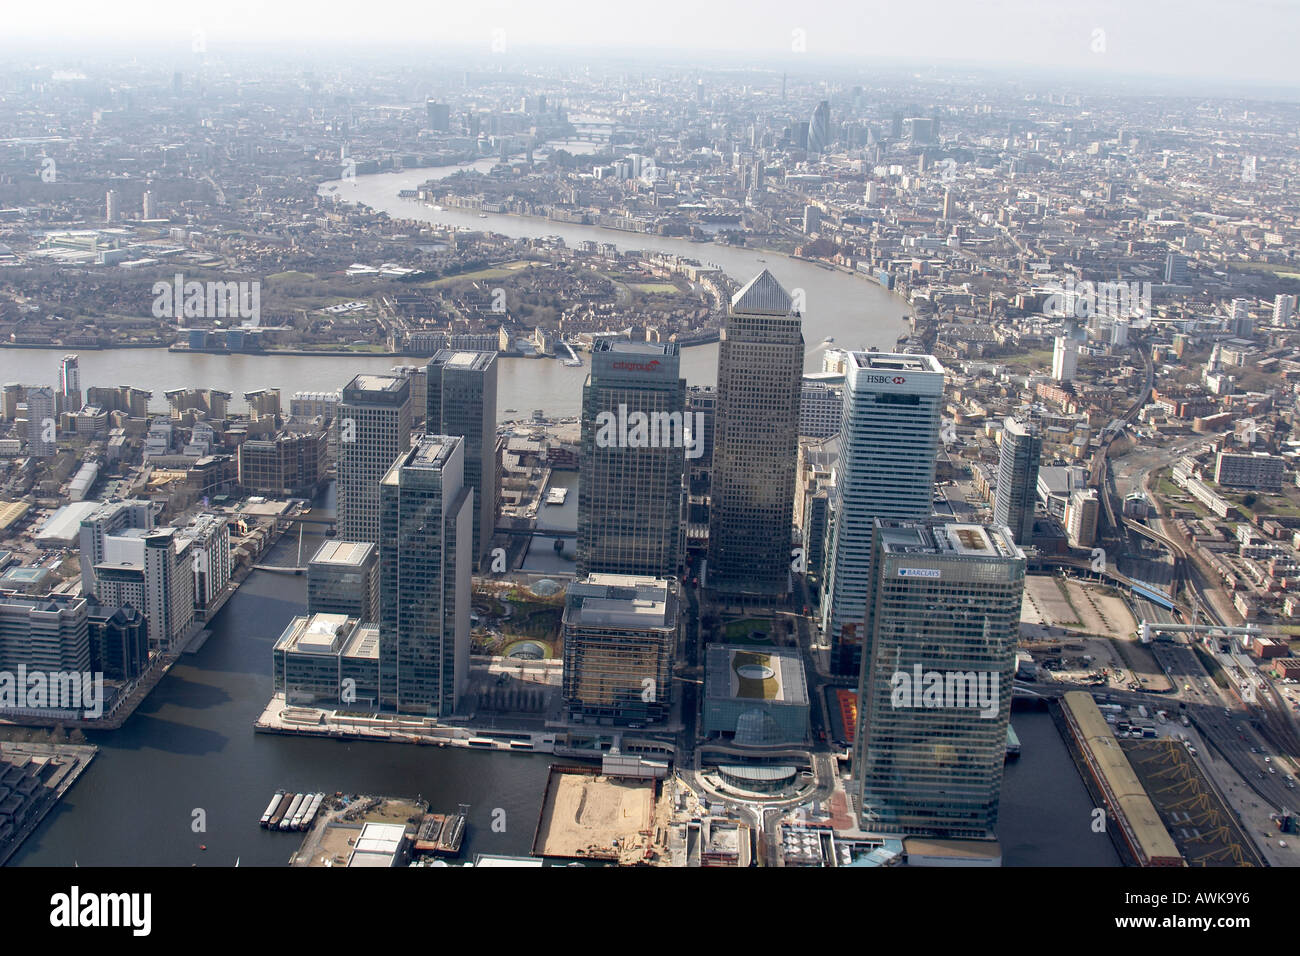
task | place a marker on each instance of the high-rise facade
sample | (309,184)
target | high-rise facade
(620,633)
(819,128)
(42,411)
(425,566)
(1017,490)
(373,428)
(70,383)
(634,437)
(461,399)
(934,698)
(760,379)
(343,578)
(1065,359)
(889,443)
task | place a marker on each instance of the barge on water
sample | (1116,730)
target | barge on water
(292,811)
(442,833)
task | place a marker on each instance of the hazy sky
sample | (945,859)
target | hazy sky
(1248,40)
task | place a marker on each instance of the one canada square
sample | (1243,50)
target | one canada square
(760,377)
(889,438)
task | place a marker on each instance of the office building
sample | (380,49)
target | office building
(760,380)
(43,634)
(701,414)
(620,633)
(632,461)
(819,128)
(439,116)
(889,442)
(1081,518)
(756,696)
(427,528)
(343,578)
(373,428)
(286,465)
(327,660)
(821,405)
(462,401)
(1017,489)
(119,641)
(935,691)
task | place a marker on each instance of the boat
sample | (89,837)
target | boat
(280,809)
(509,410)
(556,496)
(286,822)
(270,807)
(442,833)
(313,808)
(482,215)
(1013,744)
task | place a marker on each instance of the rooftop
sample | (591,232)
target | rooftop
(947,539)
(349,553)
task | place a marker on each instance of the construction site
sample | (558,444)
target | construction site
(588,815)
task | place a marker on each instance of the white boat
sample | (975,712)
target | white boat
(270,807)
(287,822)
(556,496)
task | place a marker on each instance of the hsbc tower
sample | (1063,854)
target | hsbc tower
(889,440)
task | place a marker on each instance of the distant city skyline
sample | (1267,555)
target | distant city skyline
(1248,42)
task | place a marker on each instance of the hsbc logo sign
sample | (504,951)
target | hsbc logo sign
(884,379)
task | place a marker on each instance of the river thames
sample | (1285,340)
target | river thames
(189,752)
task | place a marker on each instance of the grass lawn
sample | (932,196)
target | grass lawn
(654,288)
(738,632)
(495,272)
(289,276)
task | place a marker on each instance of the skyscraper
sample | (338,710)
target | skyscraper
(819,128)
(889,442)
(1065,359)
(70,383)
(620,632)
(373,428)
(438,116)
(934,698)
(1175,269)
(42,410)
(425,565)
(632,460)
(1017,491)
(462,400)
(760,378)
